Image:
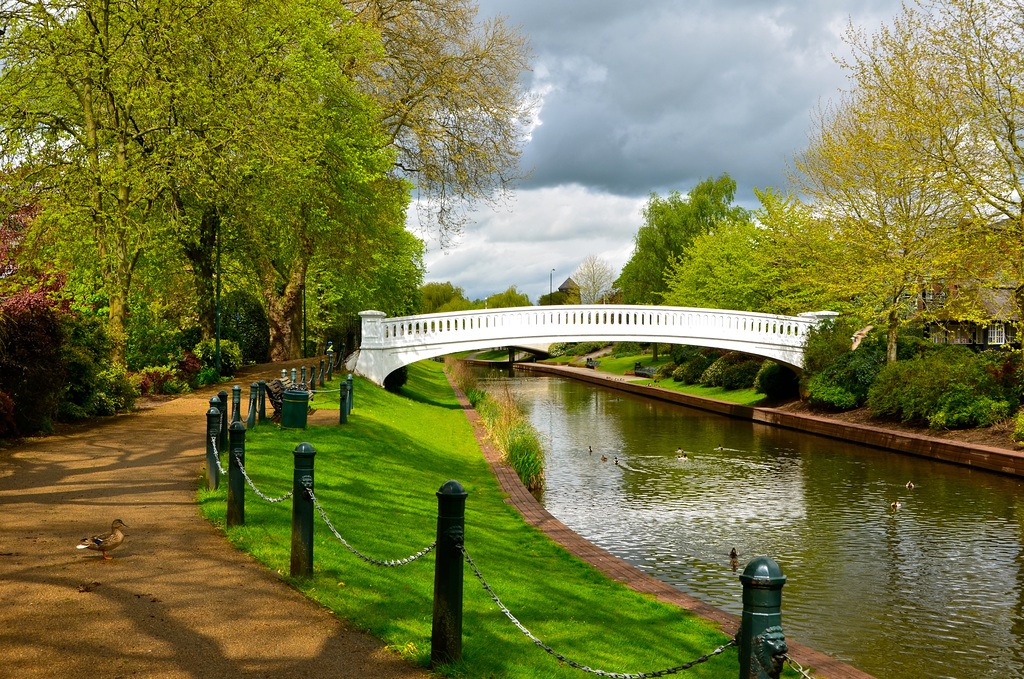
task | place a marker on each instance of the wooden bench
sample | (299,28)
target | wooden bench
(592,364)
(643,371)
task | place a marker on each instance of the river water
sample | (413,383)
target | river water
(934,589)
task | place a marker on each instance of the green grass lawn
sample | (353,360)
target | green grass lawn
(377,477)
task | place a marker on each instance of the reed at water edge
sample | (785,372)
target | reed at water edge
(506,423)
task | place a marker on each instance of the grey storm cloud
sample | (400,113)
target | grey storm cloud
(656,95)
(645,97)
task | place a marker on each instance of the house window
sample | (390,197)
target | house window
(997,333)
(962,335)
(938,334)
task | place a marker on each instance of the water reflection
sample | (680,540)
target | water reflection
(935,589)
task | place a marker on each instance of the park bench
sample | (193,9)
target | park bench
(592,364)
(643,371)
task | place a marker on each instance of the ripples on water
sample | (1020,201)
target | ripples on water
(935,589)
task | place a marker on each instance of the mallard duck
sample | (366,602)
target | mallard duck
(683,457)
(604,459)
(720,447)
(106,542)
(910,485)
(590,449)
(734,559)
(896,504)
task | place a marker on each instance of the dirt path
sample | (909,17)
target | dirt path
(176,600)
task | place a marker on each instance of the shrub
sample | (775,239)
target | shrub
(962,407)
(207,375)
(560,349)
(461,374)
(666,369)
(823,393)
(31,367)
(776,381)
(188,366)
(396,379)
(1018,430)
(691,371)
(115,392)
(627,349)
(86,353)
(826,342)
(7,427)
(158,379)
(230,355)
(247,321)
(740,375)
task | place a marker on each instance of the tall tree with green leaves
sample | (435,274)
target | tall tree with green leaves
(670,225)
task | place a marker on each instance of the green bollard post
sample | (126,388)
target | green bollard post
(312,378)
(236,482)
(330,364)
(302,511)
(236,404)
(321,372)
(212,430)
(222,441)
(351,394)
(343,404)
(303,374)
(263,399)
(760,639)
(250,420)
(446,632)
(294,375)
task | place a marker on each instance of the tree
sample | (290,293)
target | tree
(451,99)
(435,296)
(886,220)
(953,69)
(670,224)
(595,278)
(510,298)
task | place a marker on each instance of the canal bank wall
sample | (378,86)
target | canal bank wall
(536,515)
(971,455)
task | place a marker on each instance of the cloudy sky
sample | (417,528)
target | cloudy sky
(642,97)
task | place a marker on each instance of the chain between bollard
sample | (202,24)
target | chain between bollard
(368,559)
(216,455)
(600,673)
(256,490)
(797,667)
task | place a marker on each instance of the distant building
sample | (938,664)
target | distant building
(950,306)
(569,287)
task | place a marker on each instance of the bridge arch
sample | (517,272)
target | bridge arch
(390,343)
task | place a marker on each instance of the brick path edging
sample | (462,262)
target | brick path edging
(617,569)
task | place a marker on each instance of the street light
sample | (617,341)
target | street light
(550,292)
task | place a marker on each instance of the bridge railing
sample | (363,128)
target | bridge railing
(641,321)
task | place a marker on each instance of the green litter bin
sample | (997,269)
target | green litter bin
(294,407)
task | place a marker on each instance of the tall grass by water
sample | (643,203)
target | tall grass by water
(377,477)
(507,425)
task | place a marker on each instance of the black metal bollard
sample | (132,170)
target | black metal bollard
(302,511)
(446,632)
(343,404)
(262,384)
(222,440)
(236,404)
(321,372)
(351,394)
(212,430)
(761,640)
(236,482)
(250,420)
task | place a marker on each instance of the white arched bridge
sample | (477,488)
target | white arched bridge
(390,343)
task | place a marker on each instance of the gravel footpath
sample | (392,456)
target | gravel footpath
(176,600)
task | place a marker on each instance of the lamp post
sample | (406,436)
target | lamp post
(550,291)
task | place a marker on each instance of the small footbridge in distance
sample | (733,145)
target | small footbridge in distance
(390,343)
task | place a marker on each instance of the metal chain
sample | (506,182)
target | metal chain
(256,490)
(601,673)
(805,673)
(216,455)
(375,562)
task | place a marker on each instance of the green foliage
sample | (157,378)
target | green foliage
(159,379)
(153,338)
(670,225)
(514,436)
(844,383)
(691,370)
(115,391)
(823,393)
(510,298)
(436,297)
(776,381)
(245,321)
(712,376)
(230,355)
(628,349)
(951,387)
(31,368)
(741,375)
(1018,429)
(825,342)
(666,369)
(207,375)
(85,354)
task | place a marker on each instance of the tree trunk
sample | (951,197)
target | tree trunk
(894,326)
(202,256)
(283,310)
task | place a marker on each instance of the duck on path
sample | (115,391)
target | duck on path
(107,541)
